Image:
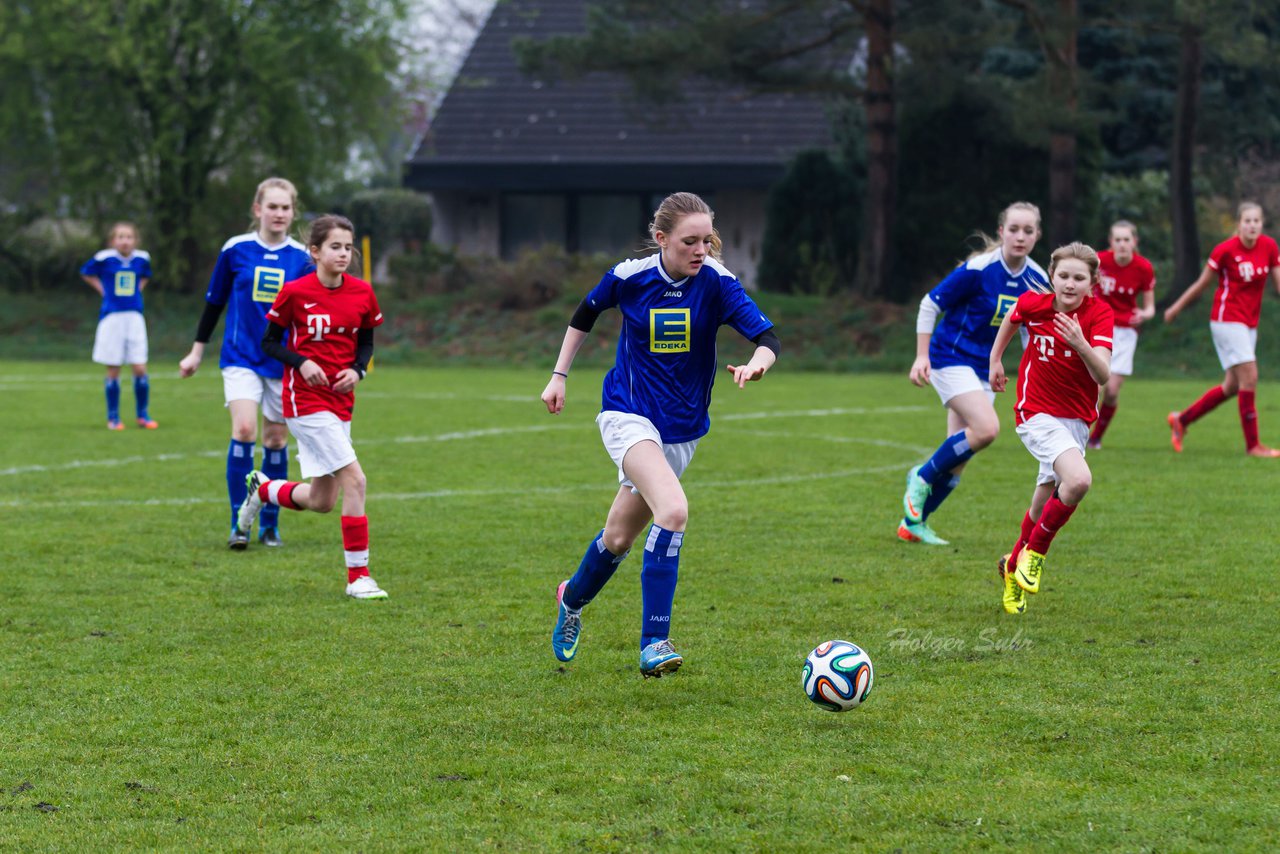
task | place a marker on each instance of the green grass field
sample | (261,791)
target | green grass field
(161,692)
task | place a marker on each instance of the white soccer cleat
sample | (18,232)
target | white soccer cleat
(365,587)
(249,508)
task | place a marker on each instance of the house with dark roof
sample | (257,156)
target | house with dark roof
(514,161)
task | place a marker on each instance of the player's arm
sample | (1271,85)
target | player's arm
(926,320)
(204,330)
(1097,359)
(995,369)
(95,283)
(1189,295)
(142,284)
(579,328)
(347,378)
(1146,310)
(1275,277)
(273,346)
(767,348)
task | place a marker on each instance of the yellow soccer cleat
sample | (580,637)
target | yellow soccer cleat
(1014,598)
(1027,573)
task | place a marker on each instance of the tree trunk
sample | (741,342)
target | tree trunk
(1182,200)
(1064,92)
(874,273)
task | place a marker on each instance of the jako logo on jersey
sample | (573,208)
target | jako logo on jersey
(318,325)
(668,330)
(1004,302)
(126,283)
(267,282)
(676,294)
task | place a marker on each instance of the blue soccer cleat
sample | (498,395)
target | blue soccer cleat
(564,638)
(658,658)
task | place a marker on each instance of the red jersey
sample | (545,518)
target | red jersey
(1052,378)
(1119,286)
(323,324)
(1242,277)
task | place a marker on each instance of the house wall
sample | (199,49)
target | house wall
(469,223)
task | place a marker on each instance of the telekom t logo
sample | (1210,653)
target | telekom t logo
(1247,271)
(1044,343)
(318,325)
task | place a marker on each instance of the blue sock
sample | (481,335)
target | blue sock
(275,465)
(597,567)
(239,464)
(658,582)
(953,451)
(112,388)
(939,494)
(142,395)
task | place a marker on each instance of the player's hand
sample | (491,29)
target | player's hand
(189,365)
(313,374)
(1170,313)
(920,371)
(743,374)
(997,378)
(553,394)
(1069,330)
(345,381)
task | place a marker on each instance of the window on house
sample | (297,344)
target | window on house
(531,220)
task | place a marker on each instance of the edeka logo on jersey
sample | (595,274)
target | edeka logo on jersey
(668,330)
(1004,302)
(267,282)
(126,283)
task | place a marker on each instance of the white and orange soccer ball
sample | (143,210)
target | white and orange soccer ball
(838,675)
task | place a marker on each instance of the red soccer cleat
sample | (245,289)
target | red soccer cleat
(1177,431)
(114,425)
(147,424)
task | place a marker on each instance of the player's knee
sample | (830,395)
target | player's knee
(323,503)
(616,542)
(1075,487)
(673,517)
(244,431)
(982,435)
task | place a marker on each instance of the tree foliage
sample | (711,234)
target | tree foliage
(147,108)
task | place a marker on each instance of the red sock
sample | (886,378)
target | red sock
(1028,525)
(1249,418)
(355,542)
(1206,404)
(1052,518)
(279,493)
(1105,414)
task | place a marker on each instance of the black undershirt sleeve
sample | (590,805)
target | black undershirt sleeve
(273,346)
(208,321)
(585,317)
(768,339)
(364,351)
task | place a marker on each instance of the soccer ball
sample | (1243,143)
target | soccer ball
(838,675)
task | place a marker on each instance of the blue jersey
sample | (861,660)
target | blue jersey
(975,298)
(246,280)
(666,361)
(121,278)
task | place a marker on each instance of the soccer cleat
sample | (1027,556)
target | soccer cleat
(239,540)
(919,532)
(147,424)
(564,637)
(1093,445)
(913,499)
(658,658)
(114,425)
(1263,451)
(270,537)
(1014,598)
(1027,572)
(249,508)
(365,587)
(1177,431)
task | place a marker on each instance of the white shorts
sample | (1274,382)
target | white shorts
(622,430)
(1235,343)
(244,384)
(1124,344)
(121,339)
(957,380)
(324,443)
(1047,437)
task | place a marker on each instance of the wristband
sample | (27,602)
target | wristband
(560,374)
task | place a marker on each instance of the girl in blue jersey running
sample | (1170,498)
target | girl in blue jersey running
(119,274)
(250,271)
(952,354)
(654,408)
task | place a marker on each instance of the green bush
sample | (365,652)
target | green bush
(45,254)
(391,217)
